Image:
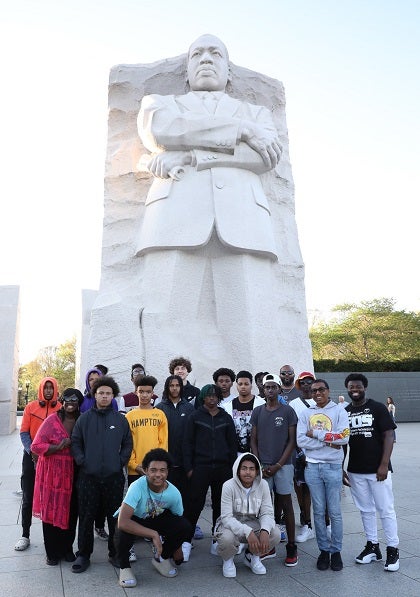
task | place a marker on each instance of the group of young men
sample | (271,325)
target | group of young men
(251,450)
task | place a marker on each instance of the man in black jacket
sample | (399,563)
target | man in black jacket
(177,411)
(209,453)
(101,446)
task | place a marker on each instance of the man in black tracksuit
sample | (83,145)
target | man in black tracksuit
(177,411)
(101,446)
(209,453)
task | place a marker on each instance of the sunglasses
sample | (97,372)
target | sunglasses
(306,382)
(70,399)
(287,372)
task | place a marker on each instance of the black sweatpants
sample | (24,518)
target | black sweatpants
(97,494)
(202,478)
(173,529)
(27,482)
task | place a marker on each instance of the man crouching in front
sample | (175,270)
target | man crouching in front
(247,516)
(152,508)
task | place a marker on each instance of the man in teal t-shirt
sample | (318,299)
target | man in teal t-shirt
(152,508)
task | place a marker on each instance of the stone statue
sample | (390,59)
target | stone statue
(208,151)
(200,250)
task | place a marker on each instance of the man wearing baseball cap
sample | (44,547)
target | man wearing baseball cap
(273,441)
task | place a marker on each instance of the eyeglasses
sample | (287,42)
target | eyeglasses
(70,399)
(322,390)
(306,382)
(287,372)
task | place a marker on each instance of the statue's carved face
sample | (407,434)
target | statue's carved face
(208,64)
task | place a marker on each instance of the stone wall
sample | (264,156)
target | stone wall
(9,357)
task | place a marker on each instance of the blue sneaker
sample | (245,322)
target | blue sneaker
(198,533)
(283,534)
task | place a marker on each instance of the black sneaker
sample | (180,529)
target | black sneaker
(291,555)
(102,534)
(323,562)
(371,553)
(392,559)
(336,561)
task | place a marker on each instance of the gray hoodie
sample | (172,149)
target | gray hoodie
(239,507)
(330,425)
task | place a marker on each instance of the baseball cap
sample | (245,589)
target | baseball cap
(271,377)
(302,376)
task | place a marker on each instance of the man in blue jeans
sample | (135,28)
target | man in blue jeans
(322,430)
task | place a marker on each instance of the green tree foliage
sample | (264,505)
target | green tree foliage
(52,361)
(371,331)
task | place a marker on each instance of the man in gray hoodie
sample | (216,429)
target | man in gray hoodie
(322,430)
(247,516)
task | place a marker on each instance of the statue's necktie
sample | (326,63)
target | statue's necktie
(210,102)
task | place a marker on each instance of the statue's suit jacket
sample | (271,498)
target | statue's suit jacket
(221,189)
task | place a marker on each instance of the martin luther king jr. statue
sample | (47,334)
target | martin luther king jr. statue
(215,277)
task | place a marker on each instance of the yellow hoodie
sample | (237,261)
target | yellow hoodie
(149,428)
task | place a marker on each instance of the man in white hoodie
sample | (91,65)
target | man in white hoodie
(322,430)
(247,516)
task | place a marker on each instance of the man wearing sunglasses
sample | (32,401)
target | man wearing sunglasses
(322,430)
(287,388)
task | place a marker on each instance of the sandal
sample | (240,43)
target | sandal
(80,564)
(165,568)
(127,578)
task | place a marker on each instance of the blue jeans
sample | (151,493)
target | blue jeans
(324,481)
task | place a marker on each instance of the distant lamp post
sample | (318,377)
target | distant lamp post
(27,384)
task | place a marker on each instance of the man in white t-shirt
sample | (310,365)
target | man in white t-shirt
(224,378)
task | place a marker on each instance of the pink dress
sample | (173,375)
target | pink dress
(54,475)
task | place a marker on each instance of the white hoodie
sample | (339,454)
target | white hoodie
(239,505)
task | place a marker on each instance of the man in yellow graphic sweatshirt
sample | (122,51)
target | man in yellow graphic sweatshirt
(148,426)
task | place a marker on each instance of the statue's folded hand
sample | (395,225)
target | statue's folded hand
(263,141)
(169,164)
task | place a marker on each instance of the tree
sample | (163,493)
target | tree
(370,331)
(51,361)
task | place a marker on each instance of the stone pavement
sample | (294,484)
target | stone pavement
(25,573)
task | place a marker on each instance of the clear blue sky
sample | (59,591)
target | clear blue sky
(351,74)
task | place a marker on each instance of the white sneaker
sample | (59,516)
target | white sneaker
(132,555)
(229,568)
(329,532)
(254,563)
(22,544)
(186,550)
(213,548)
(305,534)
(240,548)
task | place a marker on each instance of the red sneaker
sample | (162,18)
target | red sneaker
(291,555)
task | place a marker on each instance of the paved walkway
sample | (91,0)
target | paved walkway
(26,574)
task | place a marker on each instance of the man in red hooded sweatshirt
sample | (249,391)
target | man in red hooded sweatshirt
(34,414)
